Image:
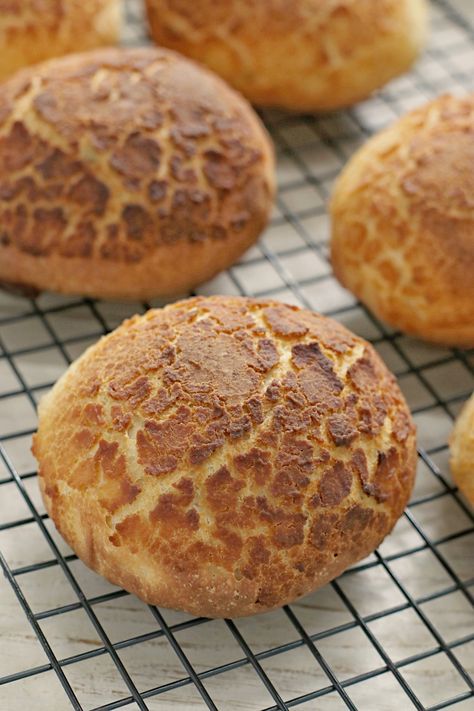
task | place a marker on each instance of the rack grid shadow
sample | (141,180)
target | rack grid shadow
(395,631)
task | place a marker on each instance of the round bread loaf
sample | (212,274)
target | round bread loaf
(403,223)
(301,55)
(462,451)
(127,174)
(224,456)
(34,30)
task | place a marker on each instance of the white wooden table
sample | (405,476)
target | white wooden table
(289,263)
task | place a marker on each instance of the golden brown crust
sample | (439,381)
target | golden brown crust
(34,30)
(304,54)
(462,451)
(225,455)
(403,222)
(127,173)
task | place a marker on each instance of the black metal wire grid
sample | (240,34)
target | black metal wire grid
(40,337)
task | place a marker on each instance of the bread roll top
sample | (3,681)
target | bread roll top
(302,55)
(34,30)
(403,222)
(110,154)
(225,455)
(127,174)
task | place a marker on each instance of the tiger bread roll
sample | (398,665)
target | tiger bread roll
(462,451)
(224,456)
(127,174)
(303,55)
(403,223)
(34,30)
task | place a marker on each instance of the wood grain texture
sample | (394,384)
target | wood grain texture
(294,672)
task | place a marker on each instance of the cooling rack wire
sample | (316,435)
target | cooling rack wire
(394,632)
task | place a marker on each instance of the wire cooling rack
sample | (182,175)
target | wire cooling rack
(394,632)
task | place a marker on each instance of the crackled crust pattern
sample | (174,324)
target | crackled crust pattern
(304,54)
(34,30)
(225,455)
(113,155)
(403,222)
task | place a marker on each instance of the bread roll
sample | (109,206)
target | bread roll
(34,30)
(462,451)
(403,223)
(224,456)
(302,55)
(127,174)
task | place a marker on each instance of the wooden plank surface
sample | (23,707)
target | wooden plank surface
(151,661)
